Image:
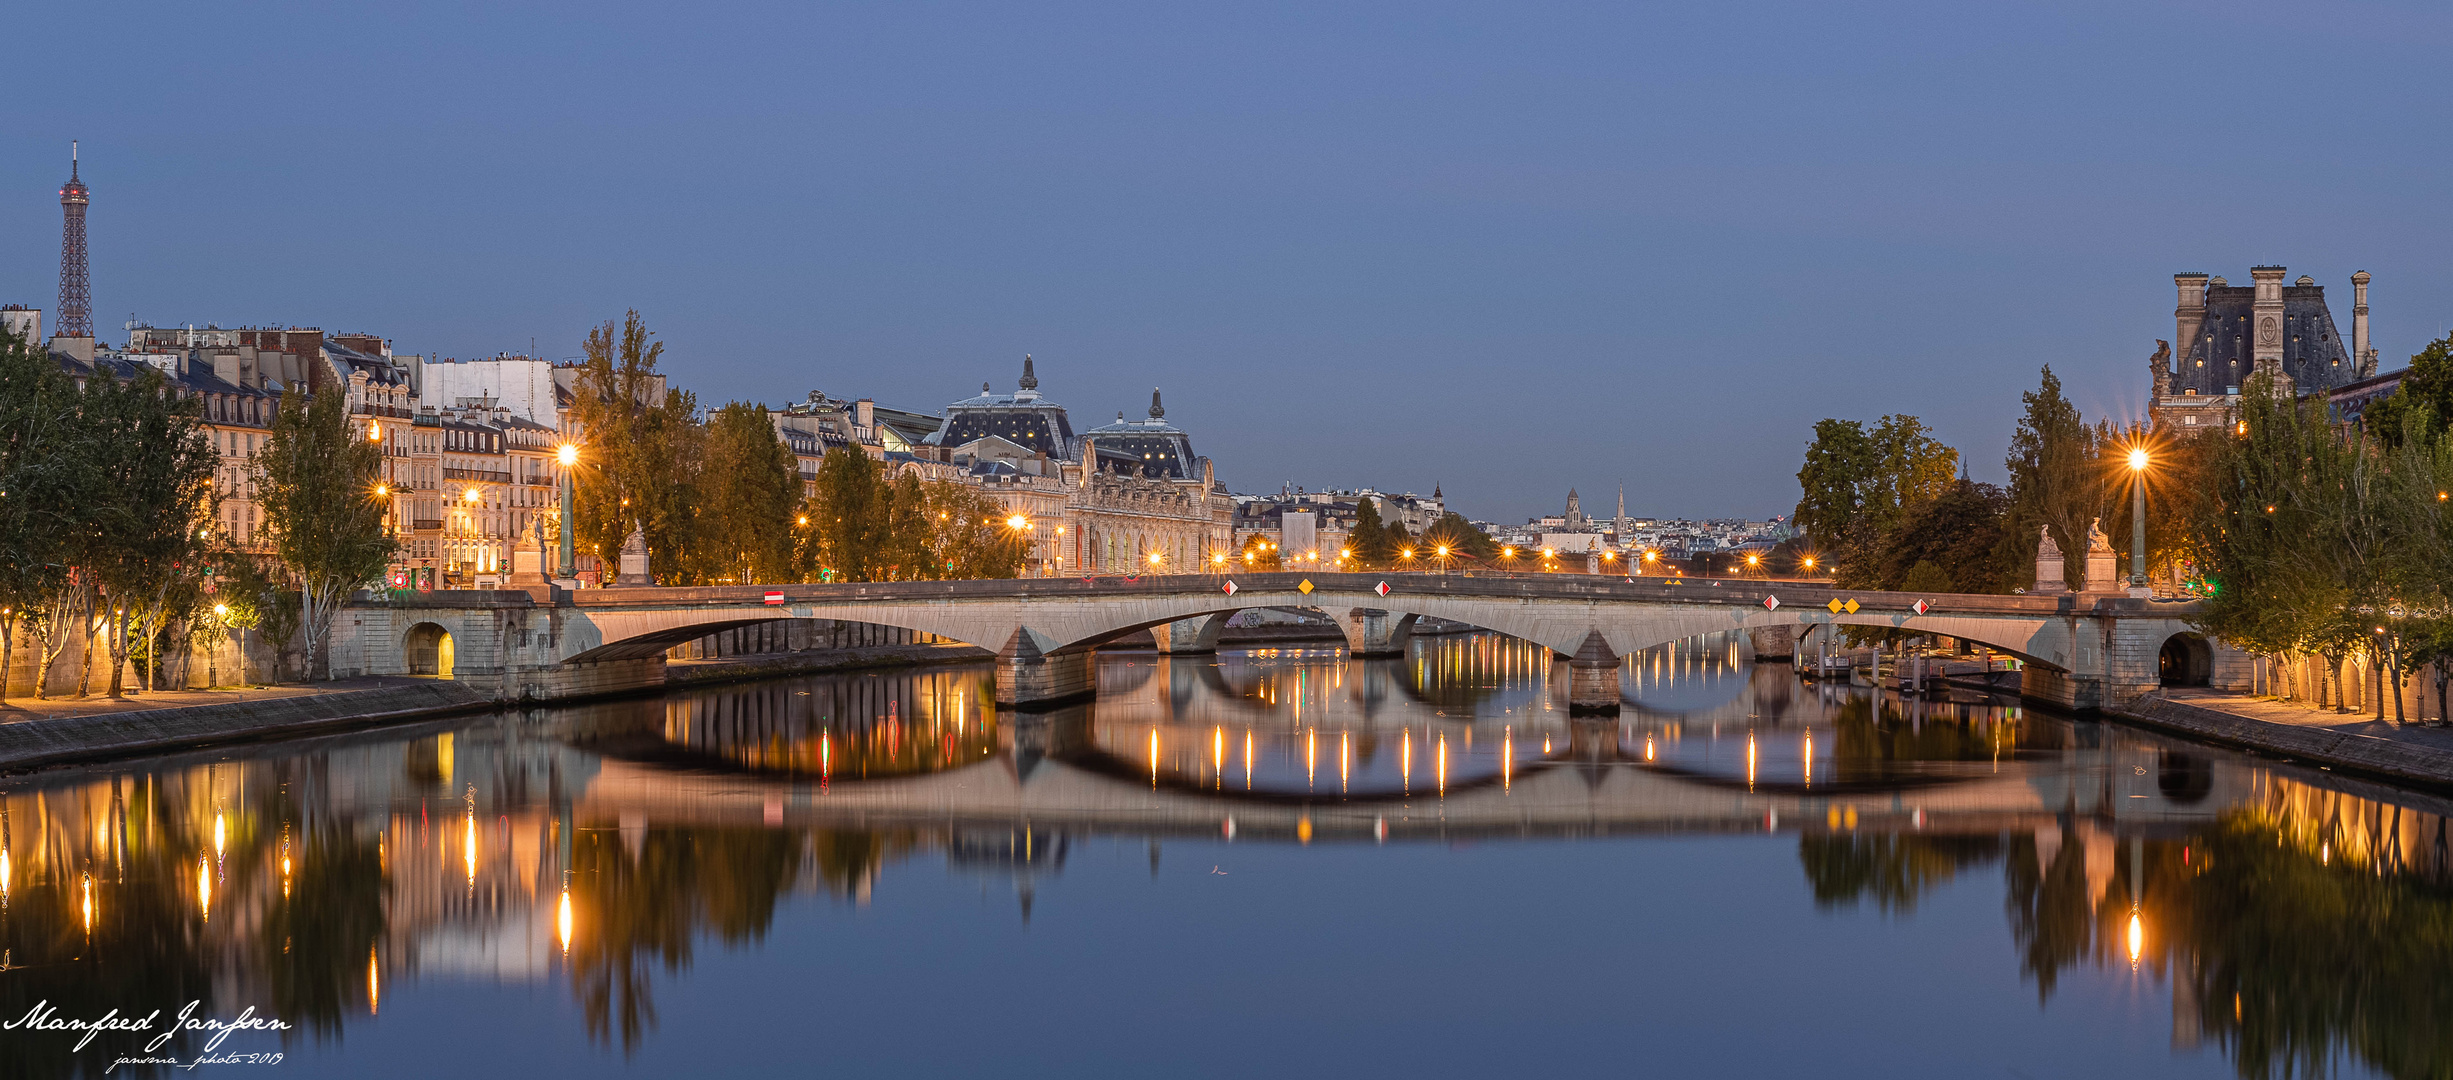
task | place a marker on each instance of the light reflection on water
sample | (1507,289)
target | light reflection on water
(2293,921)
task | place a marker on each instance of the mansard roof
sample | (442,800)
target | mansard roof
(2314,355)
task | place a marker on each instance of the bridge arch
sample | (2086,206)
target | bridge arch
(656,640)
(2185,659)
(427,649)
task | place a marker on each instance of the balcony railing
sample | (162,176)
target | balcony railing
(484,475)
(395,411)
(429,524)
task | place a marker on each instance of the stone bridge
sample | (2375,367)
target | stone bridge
(2080,650)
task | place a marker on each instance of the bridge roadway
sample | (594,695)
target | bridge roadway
(2081,650)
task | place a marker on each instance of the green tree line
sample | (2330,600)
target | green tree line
(1890,507)
(717,497)
(2323,537)
(110,529)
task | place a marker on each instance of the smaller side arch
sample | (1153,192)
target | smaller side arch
(427,650)
(2184,659)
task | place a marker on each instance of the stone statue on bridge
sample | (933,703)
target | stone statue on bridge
(2100,574)
(633,567)
(2051,573)
(528,559)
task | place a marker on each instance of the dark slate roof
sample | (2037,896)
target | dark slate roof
(1151,447)
(378,370)
(2350,401)
(2222,357)
(199,378)
(1040,425)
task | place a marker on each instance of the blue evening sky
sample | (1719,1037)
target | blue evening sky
(1504,248)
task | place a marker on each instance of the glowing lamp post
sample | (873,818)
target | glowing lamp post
(567,456)
(1021,526)
(2137,521)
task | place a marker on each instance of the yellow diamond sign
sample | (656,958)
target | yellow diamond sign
(1305,588)
(1834,605)
(1850,606)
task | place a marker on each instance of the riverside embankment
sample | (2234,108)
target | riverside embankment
(60,732)
(2351,742)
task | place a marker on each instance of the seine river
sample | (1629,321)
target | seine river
(1268,862)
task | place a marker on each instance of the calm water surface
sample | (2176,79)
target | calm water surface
(1267,862)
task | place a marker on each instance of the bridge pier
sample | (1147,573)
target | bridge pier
(1592,678)
(1183,637)
(1773,642)
(1029,674)
(1374,631)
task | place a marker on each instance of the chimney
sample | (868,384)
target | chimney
(2361,357)
(864,413)
(2189,319)
(25,322)
(2266,324)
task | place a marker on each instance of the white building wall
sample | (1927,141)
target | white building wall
(1299,531)
(524,386)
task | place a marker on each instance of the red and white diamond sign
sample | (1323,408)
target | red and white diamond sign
(1920,607)
(1771,603)
(1228,588)
(1381,588)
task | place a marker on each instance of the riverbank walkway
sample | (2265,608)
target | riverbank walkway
(2410,753)
(21,709)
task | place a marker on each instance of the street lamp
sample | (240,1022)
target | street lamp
(567,455)
(2137,521)
(212,664)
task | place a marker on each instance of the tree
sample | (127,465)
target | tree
(1260,555)
(969,537)
(903,549)
(2056,482)
(2427,387)
(748,485)
(846,515)
(45,479)
(315,479)
(2176,468)
(1460,537)
(640,438)
(156,514)
(1370,541)
(1926,576)
(260,604)
(1838,463)
(1958,534)
(2312,534)
(1856,484)
(863,527)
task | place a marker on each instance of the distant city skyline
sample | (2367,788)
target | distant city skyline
(1503,252)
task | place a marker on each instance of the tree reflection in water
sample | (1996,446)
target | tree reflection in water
(204,885)
(648,901)
(2301,927)
(2309,928)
